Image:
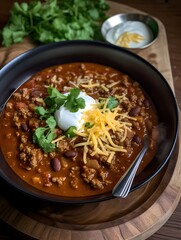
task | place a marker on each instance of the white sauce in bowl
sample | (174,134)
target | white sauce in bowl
(133,34)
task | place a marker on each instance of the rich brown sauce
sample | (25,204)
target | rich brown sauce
(71,176)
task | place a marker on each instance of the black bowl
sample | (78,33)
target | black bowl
(22,67)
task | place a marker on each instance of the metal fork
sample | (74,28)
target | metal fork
(122,188)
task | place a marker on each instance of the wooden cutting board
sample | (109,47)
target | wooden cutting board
(138,216)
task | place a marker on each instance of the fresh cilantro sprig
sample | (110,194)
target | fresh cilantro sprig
(42,112)
(43,136)
(73,103)
(112,103)
(56,99)
(55,20)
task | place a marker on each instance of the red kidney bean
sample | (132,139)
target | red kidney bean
(25,127)
(136,139)
(134,111)
(35,93)
(55,164)
(146,102)
(70,154)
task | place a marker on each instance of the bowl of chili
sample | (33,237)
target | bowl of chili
(73,117)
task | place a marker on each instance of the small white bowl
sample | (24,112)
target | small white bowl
(132,31)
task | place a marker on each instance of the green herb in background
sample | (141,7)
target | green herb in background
(55,20)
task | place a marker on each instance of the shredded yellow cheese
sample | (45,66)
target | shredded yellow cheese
(104,124)
(90,85)
(86,82)
(126,38)
(58,139)
(109,160)
(104,88)
(113,84)
(85,154)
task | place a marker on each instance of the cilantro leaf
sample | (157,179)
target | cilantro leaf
(51,123)
(53,92)
(42,112)
(73,103)
(55,99)
(55,20)
(112,103)
(43,136)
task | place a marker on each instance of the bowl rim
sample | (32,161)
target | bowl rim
(37,50)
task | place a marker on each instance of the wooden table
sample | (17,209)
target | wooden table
(169,12)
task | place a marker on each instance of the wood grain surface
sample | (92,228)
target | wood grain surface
(117,221)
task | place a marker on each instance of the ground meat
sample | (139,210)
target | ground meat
(96,183)
(25,93)
(33,123)
(59,180)
(46,177)
(9,105)
(24,138)
(74,173)
(96,179)
(17,96)
(74,182)
(88,173)
(29,156)
(63,145)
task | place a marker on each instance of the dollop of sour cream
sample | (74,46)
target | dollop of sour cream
(66,119)
(134,28)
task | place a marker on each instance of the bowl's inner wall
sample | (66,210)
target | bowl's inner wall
(21,68)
